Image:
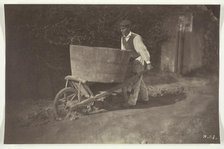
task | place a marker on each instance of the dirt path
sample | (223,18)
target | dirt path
(186,118)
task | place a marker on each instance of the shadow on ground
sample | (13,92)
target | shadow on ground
(113,103)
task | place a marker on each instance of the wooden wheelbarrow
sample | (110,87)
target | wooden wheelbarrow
(91,65)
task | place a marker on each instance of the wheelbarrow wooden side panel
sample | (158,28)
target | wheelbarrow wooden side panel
(99,64)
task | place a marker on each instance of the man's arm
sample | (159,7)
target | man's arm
(122,46)
(141,49)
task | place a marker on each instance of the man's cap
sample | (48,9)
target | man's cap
(125,23)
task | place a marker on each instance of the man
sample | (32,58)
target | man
(140,58)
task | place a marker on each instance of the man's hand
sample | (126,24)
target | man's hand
(149,66)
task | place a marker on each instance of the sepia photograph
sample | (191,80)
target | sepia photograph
(112,74)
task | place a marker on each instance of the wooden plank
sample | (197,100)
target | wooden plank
(99,64)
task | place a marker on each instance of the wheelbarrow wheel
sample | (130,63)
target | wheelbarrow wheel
(63,102)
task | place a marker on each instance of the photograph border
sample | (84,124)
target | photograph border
(193,2)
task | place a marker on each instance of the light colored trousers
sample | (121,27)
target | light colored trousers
(137,89)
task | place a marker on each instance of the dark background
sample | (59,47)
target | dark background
(38,38)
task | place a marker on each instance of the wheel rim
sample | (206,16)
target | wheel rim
(64,101)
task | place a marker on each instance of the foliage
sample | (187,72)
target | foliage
(38,36)
(209,28)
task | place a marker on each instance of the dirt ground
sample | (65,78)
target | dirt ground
(180,110)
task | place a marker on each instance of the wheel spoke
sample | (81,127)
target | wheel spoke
(62,100)
(70,97)
(73,97)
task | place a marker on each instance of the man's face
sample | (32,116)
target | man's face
(125,30)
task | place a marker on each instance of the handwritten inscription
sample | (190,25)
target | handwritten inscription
(210,137)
